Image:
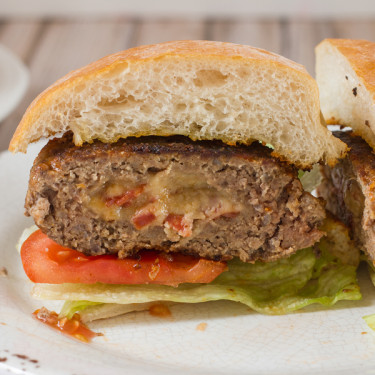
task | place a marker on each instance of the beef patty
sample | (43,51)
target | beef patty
(172,194)
(349,189)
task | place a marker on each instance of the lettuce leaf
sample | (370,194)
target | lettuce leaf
(71,307)
(370,321)
(90,311)
(309,276)
(310,179)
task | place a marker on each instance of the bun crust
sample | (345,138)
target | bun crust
(200,89)
(345,72)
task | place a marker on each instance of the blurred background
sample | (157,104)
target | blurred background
(52,38)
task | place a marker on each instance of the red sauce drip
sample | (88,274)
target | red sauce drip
(71,327)
(201,327)
(160,310)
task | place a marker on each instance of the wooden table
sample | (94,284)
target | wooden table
(51,48)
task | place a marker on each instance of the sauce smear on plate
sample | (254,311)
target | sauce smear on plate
(72,327)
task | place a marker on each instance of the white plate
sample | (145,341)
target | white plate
(14,79)
(236,340)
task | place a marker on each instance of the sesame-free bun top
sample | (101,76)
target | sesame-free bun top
(345,72)
(200,89)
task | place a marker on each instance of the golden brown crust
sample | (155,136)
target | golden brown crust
(183,49)
(361,56)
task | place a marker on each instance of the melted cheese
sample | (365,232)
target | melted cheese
(172,200)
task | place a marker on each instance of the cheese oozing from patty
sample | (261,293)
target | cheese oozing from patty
(172,200)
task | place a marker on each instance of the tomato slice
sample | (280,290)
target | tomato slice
(45,261)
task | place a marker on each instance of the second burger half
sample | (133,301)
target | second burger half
(345,75)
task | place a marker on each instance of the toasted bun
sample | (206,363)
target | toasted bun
(204,90)
(345,71)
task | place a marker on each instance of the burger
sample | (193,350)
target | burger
(345,75)
(175,175)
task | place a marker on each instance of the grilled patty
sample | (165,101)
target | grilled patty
(349,189)
(171,194)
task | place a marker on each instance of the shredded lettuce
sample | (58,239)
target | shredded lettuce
(309,276)
(90,311)
(300,173)
(310,179)
(71,307)
(370,321)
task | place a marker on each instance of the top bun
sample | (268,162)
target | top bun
(345,71)
(200,89)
